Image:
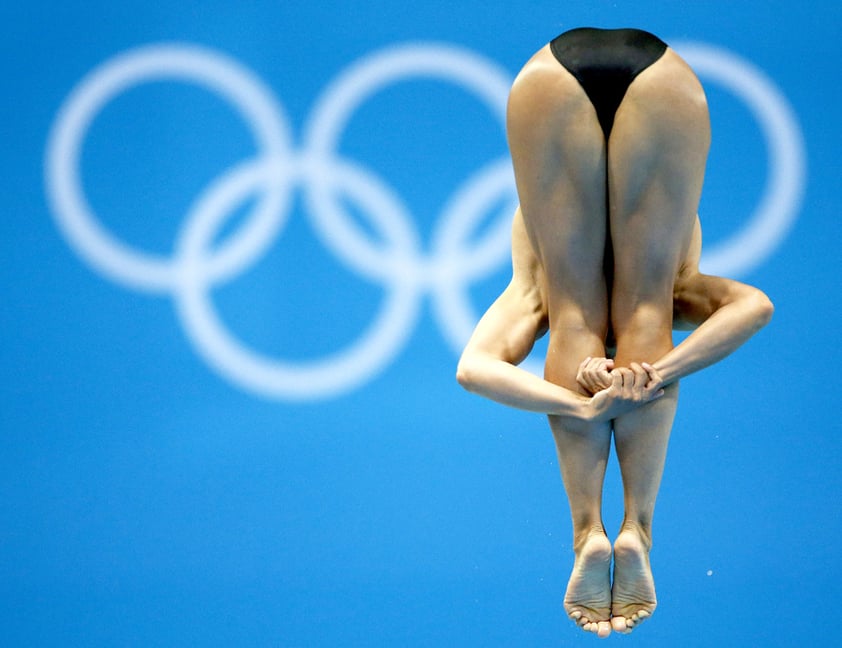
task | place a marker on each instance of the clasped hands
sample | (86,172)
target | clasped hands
(617,390)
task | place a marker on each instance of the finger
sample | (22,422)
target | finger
(589,385)
(589,373)
(586,383)
(582,376)
(640,375)
(582,370)
(604,378)
(594,377)
(654,376)
(602,364)
(626,376)
(599,381)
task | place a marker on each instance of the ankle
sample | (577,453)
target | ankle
(640,530)
(585,535)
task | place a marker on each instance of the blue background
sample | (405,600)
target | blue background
(146,500)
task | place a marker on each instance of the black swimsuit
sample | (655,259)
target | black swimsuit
(605,62)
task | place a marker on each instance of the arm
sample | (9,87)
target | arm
(502,339)
(724,314)
(727,313)
(505,336)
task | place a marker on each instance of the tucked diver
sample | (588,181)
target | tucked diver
(609,133)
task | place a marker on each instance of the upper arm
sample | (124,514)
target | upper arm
(697,296)
(518,317)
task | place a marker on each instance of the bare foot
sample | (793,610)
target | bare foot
(588,597)
(633,594)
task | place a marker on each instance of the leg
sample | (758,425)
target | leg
(558,152)
(656,161)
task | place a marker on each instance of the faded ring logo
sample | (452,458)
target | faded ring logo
(404,270)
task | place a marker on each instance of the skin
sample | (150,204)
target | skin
(653,168)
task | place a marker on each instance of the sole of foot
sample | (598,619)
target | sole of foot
(588,597)
(633,592)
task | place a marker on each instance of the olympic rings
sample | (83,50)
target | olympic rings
(407,274)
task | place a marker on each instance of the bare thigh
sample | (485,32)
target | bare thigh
(656,162)
(558,152)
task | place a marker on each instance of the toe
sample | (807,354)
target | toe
(636,619)
(604,629)
(620,625)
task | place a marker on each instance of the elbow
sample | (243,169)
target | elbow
(474,372)
(466,374)
(763,308)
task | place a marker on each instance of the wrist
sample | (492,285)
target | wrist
(587,410)
(665,372)
(580,408)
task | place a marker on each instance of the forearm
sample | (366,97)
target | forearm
(510,385)
(728,328)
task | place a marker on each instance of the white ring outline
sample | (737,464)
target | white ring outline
(190,63)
